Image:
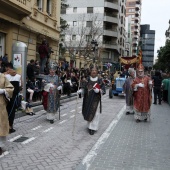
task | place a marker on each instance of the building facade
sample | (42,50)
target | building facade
(133,10)
(128,40)
(29,21)
(147,44)
(99,20)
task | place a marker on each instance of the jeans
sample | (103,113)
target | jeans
(157,93)
(42,64)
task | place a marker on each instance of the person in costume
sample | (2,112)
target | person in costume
(127,88)
(142,95)
(15,80)
(6,91)
(93,88)
(51,94)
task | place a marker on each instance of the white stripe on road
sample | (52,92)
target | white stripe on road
(80,112)
(14,138)
(28,140)
(63,121)
(36,127)
(72,110)
(47,130)
(5,153)
(72,116)
(93,152)
(80,107)
(63,115)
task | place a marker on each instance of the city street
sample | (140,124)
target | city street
(38,145)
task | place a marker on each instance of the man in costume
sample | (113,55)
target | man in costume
(142,95)
(6,90)
(93,89)
(128,90)
(51,96)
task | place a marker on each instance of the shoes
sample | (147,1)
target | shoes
(127,113)
(1,151)
(11,130)
(51,121)
(91,132)
(145,120)
(154,103)
(137,120)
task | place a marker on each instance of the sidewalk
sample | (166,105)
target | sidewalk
(127,145)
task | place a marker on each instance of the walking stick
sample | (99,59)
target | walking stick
(74,123)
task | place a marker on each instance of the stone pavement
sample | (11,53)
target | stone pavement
(55,146)
(127,145)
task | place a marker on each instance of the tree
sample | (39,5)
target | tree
(163,58)
(78,38)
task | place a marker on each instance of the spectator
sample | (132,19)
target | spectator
(30,89)
(2,66)
(5,58)
(165,85)
(31,70)
(44,53)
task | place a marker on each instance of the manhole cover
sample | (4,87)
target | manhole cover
(21,139)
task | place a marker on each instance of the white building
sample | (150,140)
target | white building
(100,20)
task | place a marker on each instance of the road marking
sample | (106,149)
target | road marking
(14,138)
(93,152)
(48,129)
(5,153)
(80,112)
(36,127)
(72,111)
(63,115)
(63,121)
(80,107)
(72,116)
(28,140)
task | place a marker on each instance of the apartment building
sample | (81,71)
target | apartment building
(147,44)
(133,10)
(99,20)
(29,21)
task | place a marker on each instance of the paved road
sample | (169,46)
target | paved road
(133,146)
(55,146)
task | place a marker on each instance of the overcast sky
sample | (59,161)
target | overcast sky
(157,14)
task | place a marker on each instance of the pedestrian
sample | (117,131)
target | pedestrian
(157,83)
(128,90)
(51,96)
(5,58)
(43,52)
(165,86)
(142,95)
(93,89)
(6,90)
(15,80)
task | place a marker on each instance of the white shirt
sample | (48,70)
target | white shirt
(17,77)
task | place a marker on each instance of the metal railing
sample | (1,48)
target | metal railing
(22,1)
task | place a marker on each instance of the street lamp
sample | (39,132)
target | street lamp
(95,47)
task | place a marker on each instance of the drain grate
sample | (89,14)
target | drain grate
(21,139)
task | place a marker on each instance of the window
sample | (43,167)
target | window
(74,23)
(48,7)
(89,9)
(39,4)
(62,37)
(88,23)
(73,37)
(74,9)
(88,38)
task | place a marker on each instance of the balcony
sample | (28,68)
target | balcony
(110,45)
(111,19)
(137,13)
(16,9)
(137,7)
(111,5)
(111,33)
(136,19)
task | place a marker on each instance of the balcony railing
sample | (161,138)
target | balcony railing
(22,1)
(111,5)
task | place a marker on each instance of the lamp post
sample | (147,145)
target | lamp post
(95,47)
